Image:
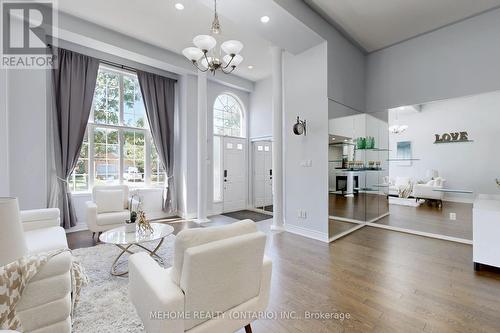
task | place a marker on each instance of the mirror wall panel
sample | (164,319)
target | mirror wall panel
(358,154)
(262,187)
(346,205)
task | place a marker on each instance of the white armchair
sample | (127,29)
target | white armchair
(427,190)
(108,208)
(217,270)
(45,305)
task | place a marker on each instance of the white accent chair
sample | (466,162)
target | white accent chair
(108,208)
(45,306)
(394,185)
(219,270)
(427,191)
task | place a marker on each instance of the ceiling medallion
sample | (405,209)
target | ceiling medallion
(206,57)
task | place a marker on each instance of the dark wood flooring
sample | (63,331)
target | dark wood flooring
(426,218)
(386,281)
(361,207)
(430,218)
(336,227)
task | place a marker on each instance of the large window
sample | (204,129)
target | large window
(228,116)
(118,147)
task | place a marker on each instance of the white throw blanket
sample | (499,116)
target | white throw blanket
(15,276)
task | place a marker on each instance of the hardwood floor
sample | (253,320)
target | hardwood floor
(429,218)
(336,227)
(386,281)
(426,218)
(361,207)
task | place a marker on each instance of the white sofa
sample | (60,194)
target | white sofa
(45,305)
(427,190)
(108,208)
(215,270)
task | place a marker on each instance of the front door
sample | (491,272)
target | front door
(234,174)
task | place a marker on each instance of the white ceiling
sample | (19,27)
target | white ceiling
(375,24)
(157,22)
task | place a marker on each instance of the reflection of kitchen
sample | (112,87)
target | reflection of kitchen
(345,170)
(357,157)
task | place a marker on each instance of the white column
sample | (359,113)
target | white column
(202,149)
(277,77)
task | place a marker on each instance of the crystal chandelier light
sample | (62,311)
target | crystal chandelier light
(206,57)
(396,128)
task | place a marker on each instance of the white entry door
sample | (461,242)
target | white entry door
(262,174)
(234,174)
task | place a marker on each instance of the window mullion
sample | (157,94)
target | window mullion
(91,155)
(147,157)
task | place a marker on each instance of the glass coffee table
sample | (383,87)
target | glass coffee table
(125,240)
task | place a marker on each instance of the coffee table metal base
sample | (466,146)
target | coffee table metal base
(125,249)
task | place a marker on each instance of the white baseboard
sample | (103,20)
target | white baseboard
(345,219)
(313,234)
(420,233)
(186,216)
(345,233)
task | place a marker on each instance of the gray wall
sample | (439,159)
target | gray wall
(4,136)
(261,109)
(346,63)
(458,60)
(24,170)
(306,188)
(27,141)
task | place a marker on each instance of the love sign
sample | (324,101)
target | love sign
(452,137)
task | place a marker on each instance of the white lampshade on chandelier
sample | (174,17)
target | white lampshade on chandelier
(207,57)
(397,128)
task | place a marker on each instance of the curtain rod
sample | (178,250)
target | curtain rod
(107,62)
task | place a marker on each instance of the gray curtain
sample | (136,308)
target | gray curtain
(158,93)
(73,78)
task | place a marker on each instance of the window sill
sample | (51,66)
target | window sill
(131,189)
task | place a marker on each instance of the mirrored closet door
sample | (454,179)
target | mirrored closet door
(262,175)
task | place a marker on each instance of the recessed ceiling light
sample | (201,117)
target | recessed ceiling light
(264,19)
(345,140)
(333,139)
(179,6)
(250,67)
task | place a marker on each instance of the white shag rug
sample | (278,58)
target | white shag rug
(104,304)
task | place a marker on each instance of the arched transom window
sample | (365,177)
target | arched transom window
(228,116)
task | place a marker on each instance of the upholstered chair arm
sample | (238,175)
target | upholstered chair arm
(91,215)
(40,218)
(265,283)
(157,299)
(46,299)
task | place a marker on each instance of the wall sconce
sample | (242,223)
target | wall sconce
(300,127)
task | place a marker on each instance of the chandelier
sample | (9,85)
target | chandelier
(206,57)
(398,129)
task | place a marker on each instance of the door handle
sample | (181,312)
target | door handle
(225,175)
